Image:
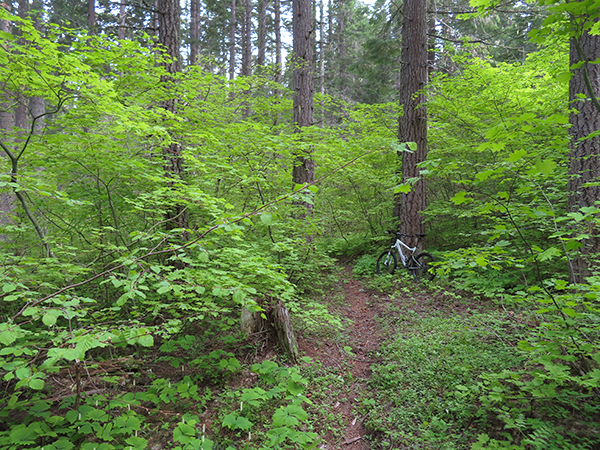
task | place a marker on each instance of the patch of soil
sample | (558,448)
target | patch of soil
(363,339)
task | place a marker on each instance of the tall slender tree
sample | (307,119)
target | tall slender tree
(232,28)
(262,32)
(277,26)
(194,31)
(247,40)
(409,206)
(7,123)
(91,14)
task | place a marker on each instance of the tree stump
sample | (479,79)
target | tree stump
(278,325)
(279,316)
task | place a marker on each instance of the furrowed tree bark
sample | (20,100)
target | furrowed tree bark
(262,33)
(302,60)
(194,31)
(91,15)
(584,152)
(169,29)
(247,40)
(409,206)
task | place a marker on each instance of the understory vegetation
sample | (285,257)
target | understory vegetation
(118,332)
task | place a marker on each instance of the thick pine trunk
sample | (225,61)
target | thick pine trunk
(302,58)
(409,206)
(169,29)
(584,154)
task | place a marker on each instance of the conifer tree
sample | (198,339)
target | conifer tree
(409,206)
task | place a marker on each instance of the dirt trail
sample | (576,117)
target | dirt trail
(363,338)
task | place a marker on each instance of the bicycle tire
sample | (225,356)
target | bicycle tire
(423,271)
(385,265)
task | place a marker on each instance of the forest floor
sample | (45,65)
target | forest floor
(369,314)
(354,352)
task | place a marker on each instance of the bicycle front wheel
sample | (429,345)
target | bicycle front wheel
(422,270)
(386,263)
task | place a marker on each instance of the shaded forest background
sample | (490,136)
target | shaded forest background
(150,192)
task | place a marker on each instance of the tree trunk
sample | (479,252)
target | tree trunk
(247,41)
(584,157)
(7,123)
(262,33)
(194,31)
(409,206)
(341,48)
(232,28)
(91,15)
(277,25)
(122,16)
(302,59)
(322,39)
(431,25)
(169,29)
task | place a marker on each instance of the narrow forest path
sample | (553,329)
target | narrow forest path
(352,352)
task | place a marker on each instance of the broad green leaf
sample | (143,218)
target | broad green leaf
(36,383)
(266,218)
(239,296)
(545,167)
(70,354)
(516,155)
(481,261)
(460,198)
(23,372)
(63,444)
(146,341)
(229,420)
(50,317)
(570,312)
(549,253)
(402,189)
(137,442)
(8,336)
(243,424)
(8,287)
(164,286)
(22,434)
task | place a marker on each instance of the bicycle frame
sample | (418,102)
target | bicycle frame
(404,258)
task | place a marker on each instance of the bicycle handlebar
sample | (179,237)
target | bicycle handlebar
(397,233)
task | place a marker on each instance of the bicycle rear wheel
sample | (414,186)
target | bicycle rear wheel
(422,270)
(387,262)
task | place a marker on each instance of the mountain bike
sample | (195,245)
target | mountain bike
(419,266)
